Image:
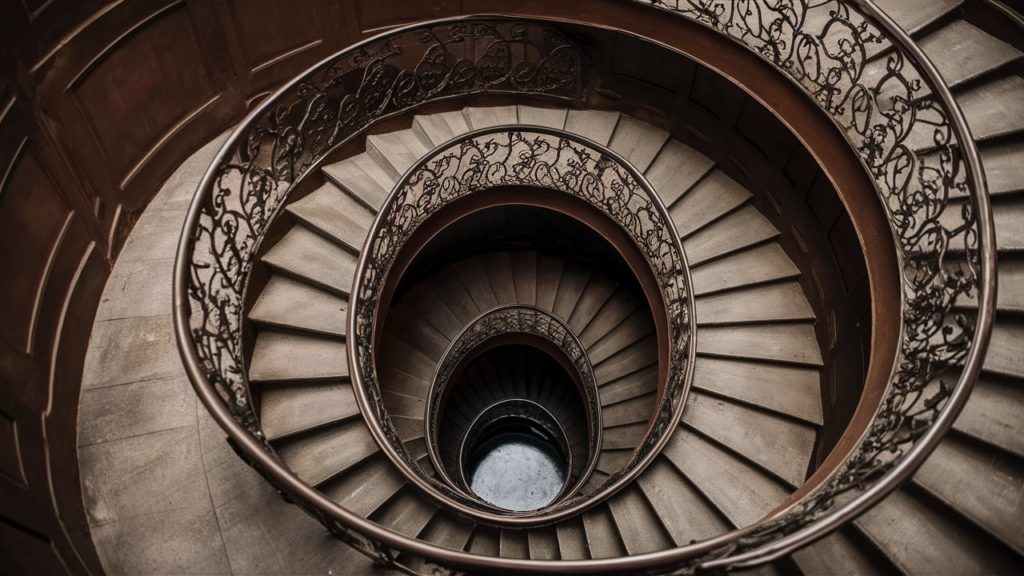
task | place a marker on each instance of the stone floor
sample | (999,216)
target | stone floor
(163,491)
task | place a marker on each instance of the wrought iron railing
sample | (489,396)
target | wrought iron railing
(553,160)
(821,46)
(517,319)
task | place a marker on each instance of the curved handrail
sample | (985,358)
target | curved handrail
(516,318)
(772,30)
(555,161)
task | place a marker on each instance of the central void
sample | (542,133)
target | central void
(517,471)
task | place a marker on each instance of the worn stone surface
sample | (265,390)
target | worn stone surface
(163,491)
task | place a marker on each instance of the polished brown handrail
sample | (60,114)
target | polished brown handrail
(560,165)
(744,547)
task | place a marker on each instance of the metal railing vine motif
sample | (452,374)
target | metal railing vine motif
(918,150)
(903,124)
(516,319)
(286,137)
(540,158)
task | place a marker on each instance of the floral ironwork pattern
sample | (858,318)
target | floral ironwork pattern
(517,319)
(298,126)
(542,158)
(904,136)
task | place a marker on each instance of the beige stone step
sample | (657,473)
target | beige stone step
(291,356)
(288,303)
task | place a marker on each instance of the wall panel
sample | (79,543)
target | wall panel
(99,101)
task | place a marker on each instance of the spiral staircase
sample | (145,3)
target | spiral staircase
(474,307)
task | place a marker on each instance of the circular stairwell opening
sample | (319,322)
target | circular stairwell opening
(519,459)
(513,428)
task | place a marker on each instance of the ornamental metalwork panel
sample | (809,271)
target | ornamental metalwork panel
(906,140)
(297,127)
(517,319)
(547,159)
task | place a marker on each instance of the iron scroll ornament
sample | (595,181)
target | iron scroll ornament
(915,188)
(542,158)
(912,139)
(516,319)
(286,137)
(292,132)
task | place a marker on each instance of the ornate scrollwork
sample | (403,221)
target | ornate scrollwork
(298,126)
(904,134)
(541,158)
(909,145)
(518,319)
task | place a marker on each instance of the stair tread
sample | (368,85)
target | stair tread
(1004,170)
(994,108)
(792,343)
(306,254)
(745,498)
(543,541)
(711,198)
(683,511)
(962,52)
(630,386)
(333,212)
(835,554)
(524,275)
(639,355)
(1007,217)
(920,540)
(636,522)
(406,513)
(774,302)
(498,266)
(348,175)
(549,274)
(291,304)
(288,356)
(638,142)
(289,409)
(398,354)
(478,117)
(614,311)
(513,544)
(373,170)
(535,116)
(631,411)
(602,537)
(447,531)
(402,405)
(625,437)
(434,128)
(572,539)
(322,455)
(484,541)
(593,298)
(633,328)
(421,337)
(596,125)
(983,486)
(473,277)
(1004,349)
(779,445)
(395,152)
(573,281)
(912,15)
(365,489)
(789,390)
(740,229)
(758,265)
(992,414)
(675,170)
